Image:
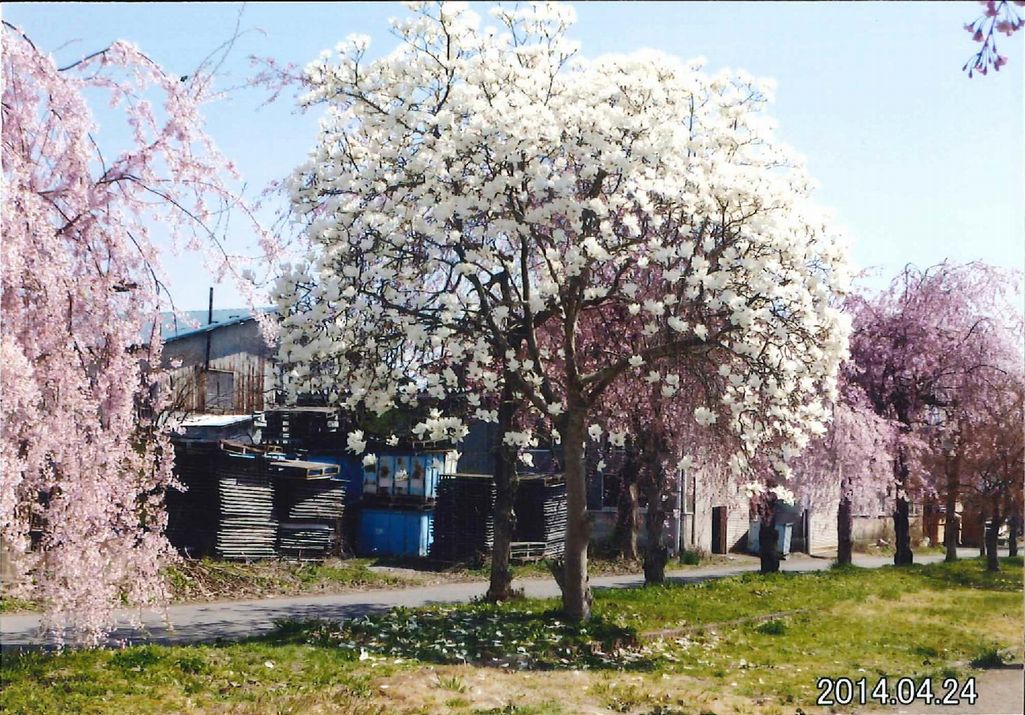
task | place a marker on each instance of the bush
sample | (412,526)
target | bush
(690,558)
(987,658)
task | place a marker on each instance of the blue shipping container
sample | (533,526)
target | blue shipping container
(387,532)
(404,474)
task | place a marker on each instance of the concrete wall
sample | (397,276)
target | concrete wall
(869,529)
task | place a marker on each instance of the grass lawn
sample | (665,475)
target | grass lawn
(209,579)
(747,644)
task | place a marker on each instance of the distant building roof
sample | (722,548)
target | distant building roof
(174,327)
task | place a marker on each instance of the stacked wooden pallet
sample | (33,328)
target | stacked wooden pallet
(463,525)
(247,528)
(464,516)
(541,512)
(193,511)
(310,501)
(304,540)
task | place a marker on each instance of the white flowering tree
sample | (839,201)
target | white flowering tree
(478,183)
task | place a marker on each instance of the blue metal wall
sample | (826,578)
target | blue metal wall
(388,532)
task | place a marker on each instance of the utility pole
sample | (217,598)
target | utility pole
(209,322)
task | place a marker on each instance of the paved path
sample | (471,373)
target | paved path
(1001,691)
(230,620)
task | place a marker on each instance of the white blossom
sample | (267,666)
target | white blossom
(355,443)
(704,416)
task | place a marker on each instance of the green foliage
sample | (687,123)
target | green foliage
(772,628)
(453,683)
(205,579)
(137,658)
(988,657)
(690,558)
(547,708)
(13,605)
(972,573)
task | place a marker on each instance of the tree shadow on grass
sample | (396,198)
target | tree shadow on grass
(972,573)
(479,634)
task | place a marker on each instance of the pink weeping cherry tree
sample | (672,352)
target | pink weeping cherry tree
(975,446)
(645,423)
(1000,17)
(83,443)
(918,347)
(851,464)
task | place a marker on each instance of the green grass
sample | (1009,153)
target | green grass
(257,676)
(763,639)
(208,579)
(13,605)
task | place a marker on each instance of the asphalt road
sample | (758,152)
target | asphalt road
(232,620)
(1001,691)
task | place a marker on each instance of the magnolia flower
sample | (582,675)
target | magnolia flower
(704,416)
(595,432)
(783,494)
(355,442)
(636,361)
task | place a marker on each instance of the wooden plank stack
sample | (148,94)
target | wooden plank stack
(304,540)
(244,504)
(309,501)
(247,528)
(464,515)
(193,514)
(463,525)
(541,512)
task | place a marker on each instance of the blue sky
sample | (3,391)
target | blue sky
(919,162)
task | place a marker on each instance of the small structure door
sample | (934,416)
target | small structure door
(718,530)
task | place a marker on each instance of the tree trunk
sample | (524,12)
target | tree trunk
(950,528)
(1012,535)
(768,540)
(500,588)
(576,594)
(628,516)
(656,553)
(992,534)
(902,533)
(844,529)
(628,519)
(901,516)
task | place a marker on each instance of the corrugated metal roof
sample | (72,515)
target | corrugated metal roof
(214,420)
(172,329)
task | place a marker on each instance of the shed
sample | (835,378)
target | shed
(224,367)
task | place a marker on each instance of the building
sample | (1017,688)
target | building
(224,367)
